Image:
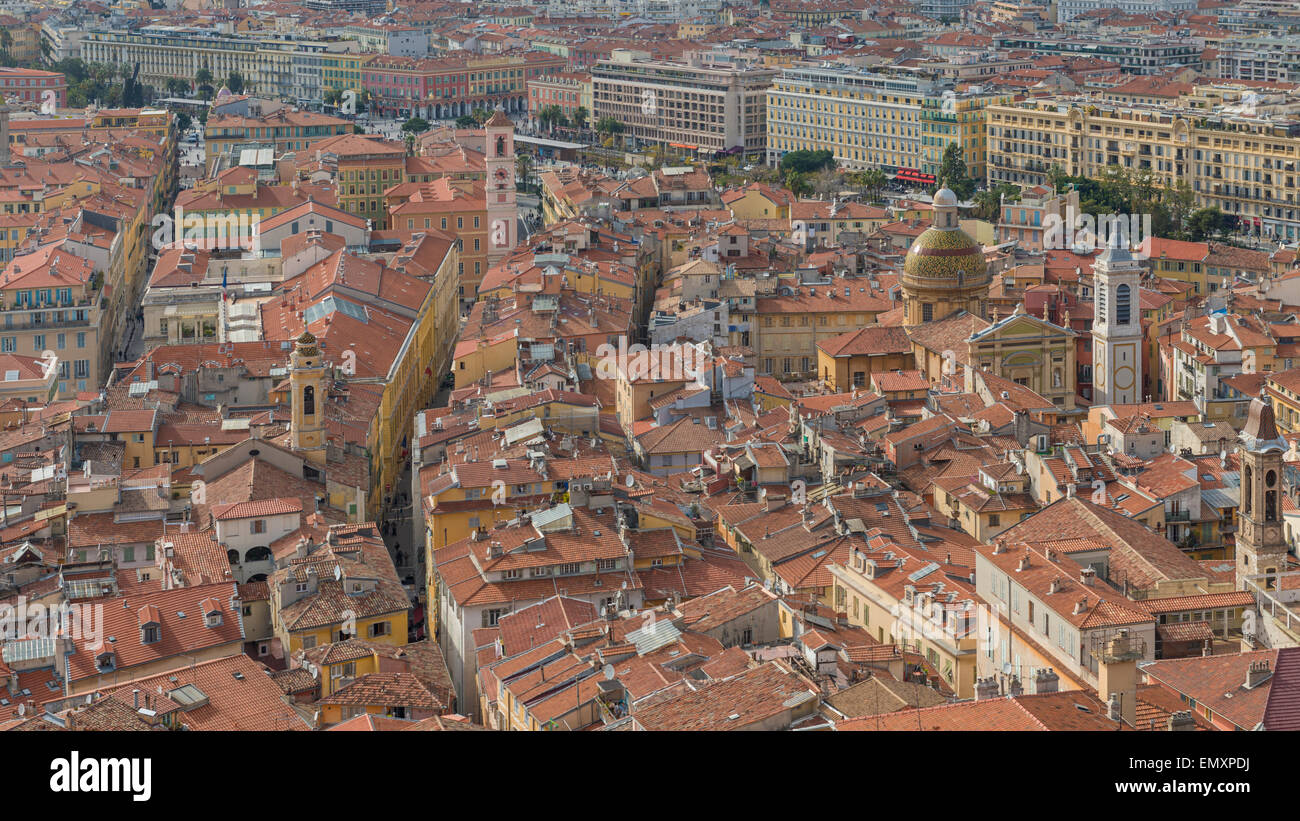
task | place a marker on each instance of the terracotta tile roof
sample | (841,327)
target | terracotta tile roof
(240,696)
(1209,601)
(718,609)
(387,690)
(1218,683)
(871,341)
(256,508)
(1138,554)
(1047,711)
(752,697)
(178,635)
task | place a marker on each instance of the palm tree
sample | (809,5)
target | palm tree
(874,180)
(579,118)
(523,166)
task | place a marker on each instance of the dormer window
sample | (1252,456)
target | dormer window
(150,624)
(106,661)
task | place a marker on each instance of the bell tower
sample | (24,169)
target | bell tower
(1261,545)
(306,377)
(502,211)
(1116,329)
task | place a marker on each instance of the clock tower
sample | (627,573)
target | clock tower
(1261,543)
(502,211)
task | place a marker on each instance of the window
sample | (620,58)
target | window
(927,312)
(379,628)
(568,568)
(308,642)
(149,634)
(348,670)
(1122,305)
(259,525)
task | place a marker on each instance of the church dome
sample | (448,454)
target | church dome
(946,254)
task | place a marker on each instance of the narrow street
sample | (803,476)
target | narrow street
(397,523)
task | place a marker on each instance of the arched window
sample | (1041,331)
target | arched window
(258,554)
(1122,305)
(1247,495)
(1270,496)
(232,556)
(501,146)
(309,400)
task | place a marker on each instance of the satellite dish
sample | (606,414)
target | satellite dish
(630,481)
(609,672)
(625,584)
(338,573)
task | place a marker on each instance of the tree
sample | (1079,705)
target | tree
(466,122)
(203,77)
(415,125)
(550,116)
(609,125)
(797,182)
(523,167)
(235,82)
(481,115)
(1209,223)
(579,118)
(988,204)
(806,162)
(953,173)
(178,87)
(183,121)
(872,181)
(333,97)
(825,182)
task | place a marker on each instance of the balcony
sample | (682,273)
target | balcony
(1178,516)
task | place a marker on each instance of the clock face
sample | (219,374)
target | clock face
(501,173)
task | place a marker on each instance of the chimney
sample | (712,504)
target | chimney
(1014,687)
(1087,576)
(1024,562)
(1055,586)
(1181,720)
(1117,677)
(1081,605)
(1257,673)
(986,688)
(1046,680)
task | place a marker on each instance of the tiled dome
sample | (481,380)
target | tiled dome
(943,253)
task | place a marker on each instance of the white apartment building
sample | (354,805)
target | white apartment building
(705,105)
